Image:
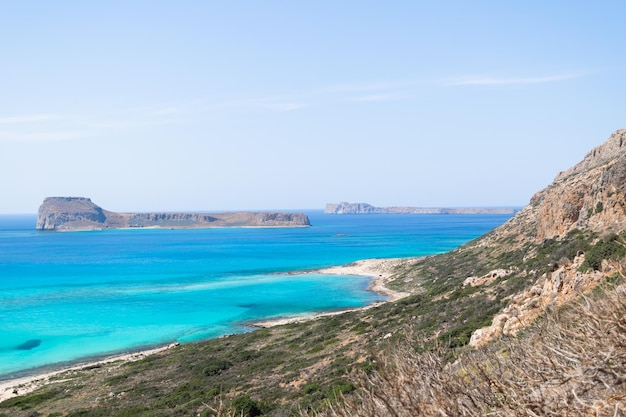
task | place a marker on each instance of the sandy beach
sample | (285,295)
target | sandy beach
(380,270)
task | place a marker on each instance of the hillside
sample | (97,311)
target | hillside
(451,330)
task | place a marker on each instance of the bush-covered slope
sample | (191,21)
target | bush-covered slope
(572,362)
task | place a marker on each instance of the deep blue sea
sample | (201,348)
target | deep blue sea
(70,296)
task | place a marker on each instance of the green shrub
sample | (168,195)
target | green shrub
(135,411)
(340,388)
(90,412)
(246,406)
(310,388)
(25,402)
(215,366)
(599,207)
(608,248)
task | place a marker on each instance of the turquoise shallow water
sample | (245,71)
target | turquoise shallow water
(67,296)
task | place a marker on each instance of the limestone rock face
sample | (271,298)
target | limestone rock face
(280,218)
(350,208)
(589,196)
(561,286)
(79,213)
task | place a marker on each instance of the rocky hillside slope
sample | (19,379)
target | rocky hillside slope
(79,213)
(588,201)
(589,196)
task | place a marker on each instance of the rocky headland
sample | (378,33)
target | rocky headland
(80,213)
(365,208)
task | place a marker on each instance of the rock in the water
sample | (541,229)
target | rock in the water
(29,344)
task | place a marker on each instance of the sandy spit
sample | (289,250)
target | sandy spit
(380,270)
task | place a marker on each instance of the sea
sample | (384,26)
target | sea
(70,297)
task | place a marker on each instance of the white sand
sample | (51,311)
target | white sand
(381,270)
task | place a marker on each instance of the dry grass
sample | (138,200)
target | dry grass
(571,363)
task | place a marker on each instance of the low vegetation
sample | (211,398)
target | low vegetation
(571,363)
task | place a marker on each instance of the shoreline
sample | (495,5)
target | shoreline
(379,270)
(10,388)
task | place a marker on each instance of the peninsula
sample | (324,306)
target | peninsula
(80,213)
(364,208)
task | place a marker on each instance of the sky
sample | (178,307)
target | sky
(254,105)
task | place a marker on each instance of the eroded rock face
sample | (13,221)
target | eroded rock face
(271,219)
(79,213)
(552,290)
(58,211)
(589,196)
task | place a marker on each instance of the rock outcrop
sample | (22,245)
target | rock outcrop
(590,197)
(79,213)
(551,290)
(365,208)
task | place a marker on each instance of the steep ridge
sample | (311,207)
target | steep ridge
(591,195)
(588,199)
(565,242)
(80,213)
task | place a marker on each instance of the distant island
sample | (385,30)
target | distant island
(80,213)
(364,208)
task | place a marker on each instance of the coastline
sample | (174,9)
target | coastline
(379,270)
(24,385)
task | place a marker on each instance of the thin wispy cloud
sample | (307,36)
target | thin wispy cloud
(51,127)
(29,118)
(132,123)
(39,137)
(168,111)
(483,80)
(48,127)
(371,98)
(140,117)
(284,107)
(275,103)
(367,87)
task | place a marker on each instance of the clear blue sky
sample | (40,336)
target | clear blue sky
(223,105)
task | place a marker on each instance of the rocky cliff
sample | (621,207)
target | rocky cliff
(589,196)
(79,213)
(588,199)
(365,208)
